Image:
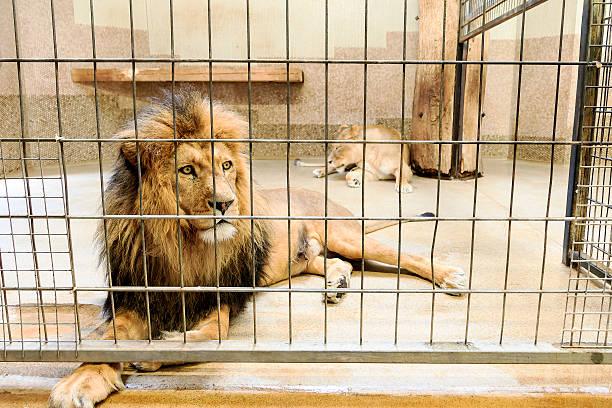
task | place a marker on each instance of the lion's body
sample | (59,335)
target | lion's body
(382,160)
(197,250)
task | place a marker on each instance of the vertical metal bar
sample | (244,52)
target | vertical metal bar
(178,221)
(26,182)
(77,321)
(100,170)
(570,229)
(514,147)
(363,160)
(551,172)
(2,280)
(60,133)
(326,168)
(139,168)
(8,206)
(399,195)
(214,169)
(287,166)
(253,267)
(438,184)
(476,171)
(3,302)
(605,342)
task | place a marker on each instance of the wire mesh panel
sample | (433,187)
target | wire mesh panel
(475,20)
(588,308)
(147,228)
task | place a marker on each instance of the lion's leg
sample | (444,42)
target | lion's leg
(206,329)
(346,241)
(338,275)
(321,172)
(353,177)
(403,185)
(91,383)
(209,327)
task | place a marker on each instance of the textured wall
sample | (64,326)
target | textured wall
(307,115)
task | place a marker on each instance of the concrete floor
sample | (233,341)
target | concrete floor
(415,310)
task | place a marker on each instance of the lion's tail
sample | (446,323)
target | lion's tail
(372,226)
(299,163)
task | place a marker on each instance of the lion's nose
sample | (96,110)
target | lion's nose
(221,205)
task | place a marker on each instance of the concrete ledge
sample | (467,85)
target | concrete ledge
(188,398)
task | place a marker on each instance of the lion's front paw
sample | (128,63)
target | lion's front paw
(147,366)
(318,173)
(454,279)
(87,385)
(354,183)
(406,188)
(339,276)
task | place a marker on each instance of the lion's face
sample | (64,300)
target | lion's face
(195,170)
(344,154)
(185,172)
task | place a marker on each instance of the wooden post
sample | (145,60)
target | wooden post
(427,97)
(471,89)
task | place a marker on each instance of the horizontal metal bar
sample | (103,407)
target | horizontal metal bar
(585,143)
(306,61)
(30,158)
(286,289)
(303,352)
(301,217)
(42,234)
(23,197)
(41,324)
(32,270)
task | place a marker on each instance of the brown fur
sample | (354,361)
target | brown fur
(237,262)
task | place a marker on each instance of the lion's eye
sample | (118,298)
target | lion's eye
(227,165)
(187,170)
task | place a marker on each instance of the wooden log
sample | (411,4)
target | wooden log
(190,74)
(427,97)
(471,89)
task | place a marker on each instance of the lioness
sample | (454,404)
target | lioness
(382,161)
(238,263)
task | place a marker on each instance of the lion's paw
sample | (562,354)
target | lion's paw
(87,385)
(318,173)
(407,188)
(354,183)
(147,366)
(340,278)
(455,279)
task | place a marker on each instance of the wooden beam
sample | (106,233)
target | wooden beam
(190,74)
(470,104)
(427,98)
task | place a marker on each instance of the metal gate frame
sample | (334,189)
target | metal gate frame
(283,351)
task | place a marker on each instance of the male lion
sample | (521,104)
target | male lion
(236,259)
(382,161)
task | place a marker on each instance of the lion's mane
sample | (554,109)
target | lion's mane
(240,261)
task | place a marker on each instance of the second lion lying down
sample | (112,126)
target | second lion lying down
(239,264)
(383,161)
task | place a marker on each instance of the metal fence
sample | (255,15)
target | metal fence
(40,278)
(589,197)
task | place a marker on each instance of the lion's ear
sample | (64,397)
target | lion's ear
(342,127)
(230,126)
(129,151)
